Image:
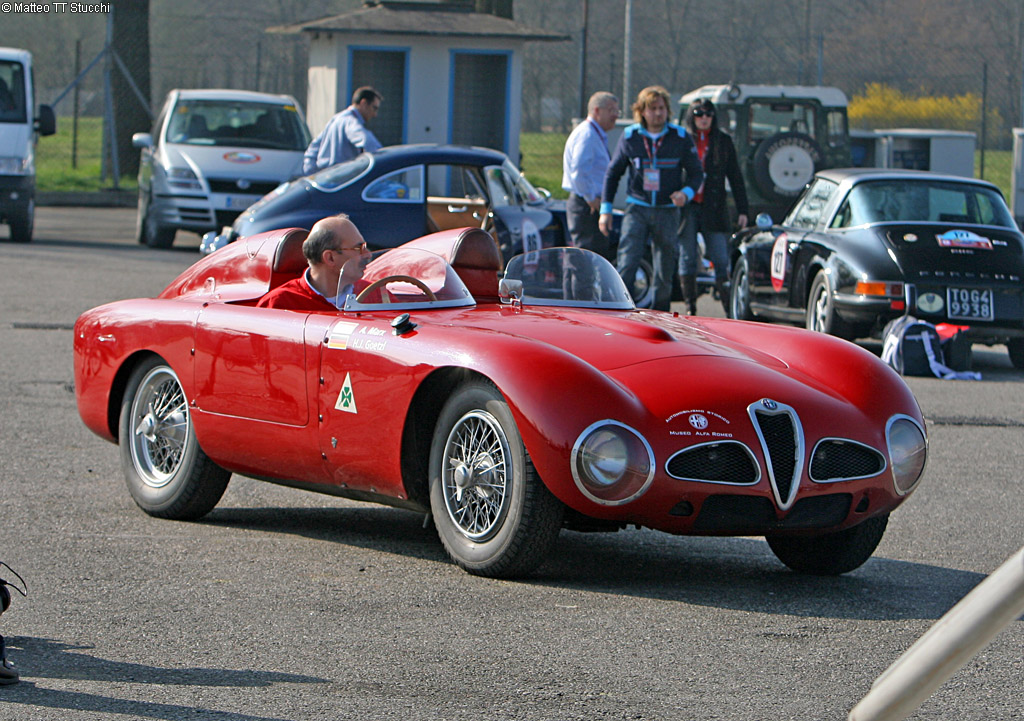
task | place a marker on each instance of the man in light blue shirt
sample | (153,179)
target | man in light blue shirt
(346,134)
(584,163)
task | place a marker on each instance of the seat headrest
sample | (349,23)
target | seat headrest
(475,249)
(288,257)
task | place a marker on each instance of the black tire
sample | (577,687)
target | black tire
(492,522)
(22,222)
(739,291)
(830,554)
(149,231)
(167,473)
(1015,347)
(784,164)
(821,315)
(643,285)
(140,217)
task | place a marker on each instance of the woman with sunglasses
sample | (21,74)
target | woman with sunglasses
(708,212)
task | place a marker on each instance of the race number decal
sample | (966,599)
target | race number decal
(531,243)
(779,262)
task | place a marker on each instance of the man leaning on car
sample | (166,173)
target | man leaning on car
(346,134)
(336,254)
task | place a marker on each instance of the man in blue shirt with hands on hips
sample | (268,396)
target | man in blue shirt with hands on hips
(584,163)
(664,174)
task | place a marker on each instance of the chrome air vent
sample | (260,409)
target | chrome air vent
(720,462)
(838,459)
(782,441)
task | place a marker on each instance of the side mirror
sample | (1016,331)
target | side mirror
(142,140)
(46,122)
(764,221)
(509,289)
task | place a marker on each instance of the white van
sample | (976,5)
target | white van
(19,129)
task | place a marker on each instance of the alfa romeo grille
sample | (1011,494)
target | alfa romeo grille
(782,442)
(724,462)
(838,460)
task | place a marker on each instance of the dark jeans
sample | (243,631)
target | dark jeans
(583,230)
(715,245)
(661,225)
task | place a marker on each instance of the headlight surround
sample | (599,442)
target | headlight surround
(908,452)
(11,165)
(612,464)
(183,179)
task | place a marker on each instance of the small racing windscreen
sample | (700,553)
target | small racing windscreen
(401,279)
(564,277)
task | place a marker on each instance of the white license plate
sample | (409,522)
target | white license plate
(238,203)
(969,304)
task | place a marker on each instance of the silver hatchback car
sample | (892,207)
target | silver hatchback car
(211,155)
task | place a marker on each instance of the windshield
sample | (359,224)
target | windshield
(407,278)
(238,124)
(338,176)
(508,187)
(564,277)
(888,201)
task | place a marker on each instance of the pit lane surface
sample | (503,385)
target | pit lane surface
(283,604)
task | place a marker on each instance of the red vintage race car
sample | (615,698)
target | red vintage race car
(507,405)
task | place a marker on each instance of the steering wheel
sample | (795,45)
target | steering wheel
(396,278)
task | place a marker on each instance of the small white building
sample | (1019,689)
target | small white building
(447,73)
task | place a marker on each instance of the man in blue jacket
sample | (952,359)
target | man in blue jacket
(664,174)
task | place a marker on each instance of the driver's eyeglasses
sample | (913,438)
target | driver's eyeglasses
(361,247)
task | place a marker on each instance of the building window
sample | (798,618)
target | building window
(480,99)
(385,71)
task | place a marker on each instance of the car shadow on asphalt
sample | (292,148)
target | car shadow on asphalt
(742,574)
(45,658)
(725,572)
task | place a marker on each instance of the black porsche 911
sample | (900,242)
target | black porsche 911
(863,246)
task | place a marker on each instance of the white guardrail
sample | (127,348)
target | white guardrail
(950,643)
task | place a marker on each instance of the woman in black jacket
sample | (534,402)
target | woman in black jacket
(708,212)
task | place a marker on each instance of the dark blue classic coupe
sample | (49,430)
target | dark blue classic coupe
(405,191)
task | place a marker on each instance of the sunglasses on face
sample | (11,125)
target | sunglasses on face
(703,114)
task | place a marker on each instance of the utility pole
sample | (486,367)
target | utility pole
(627,57)
(583,63)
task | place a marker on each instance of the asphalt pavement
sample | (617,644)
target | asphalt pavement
(287,605)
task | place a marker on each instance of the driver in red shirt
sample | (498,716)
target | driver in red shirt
(337,255)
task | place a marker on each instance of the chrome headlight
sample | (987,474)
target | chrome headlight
(611,463)
(908,451)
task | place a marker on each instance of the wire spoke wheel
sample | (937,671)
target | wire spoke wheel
(166,470)
(492,512)
(476,483)
(160,427)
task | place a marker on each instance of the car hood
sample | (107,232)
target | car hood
(610,340)
(960,249)
(658,356)
(226,161)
